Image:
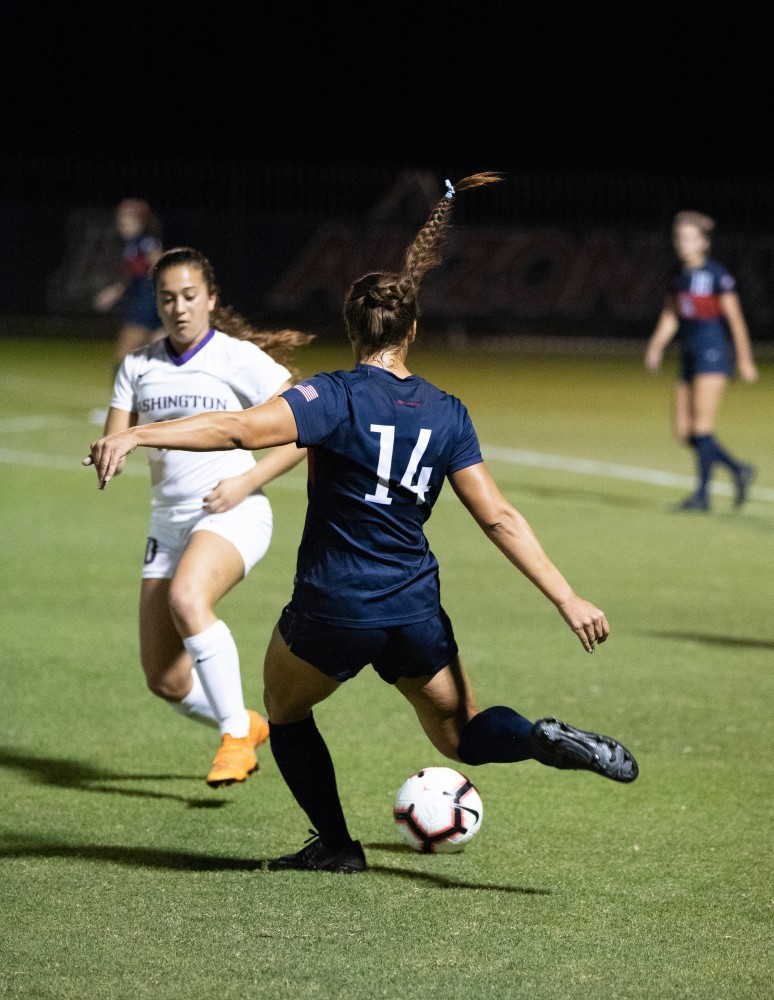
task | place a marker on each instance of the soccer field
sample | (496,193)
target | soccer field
(124,876)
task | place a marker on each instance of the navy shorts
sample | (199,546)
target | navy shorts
(417,650)
(706,356)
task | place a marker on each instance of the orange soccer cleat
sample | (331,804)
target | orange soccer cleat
(236,759)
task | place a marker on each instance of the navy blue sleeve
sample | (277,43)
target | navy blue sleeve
(319,405)
(724,281)
(466,450)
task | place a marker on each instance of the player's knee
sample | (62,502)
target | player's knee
(164,689)
(446,743)
(185,601)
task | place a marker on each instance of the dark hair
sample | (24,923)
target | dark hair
(279,344)
(381,307)
(703,222)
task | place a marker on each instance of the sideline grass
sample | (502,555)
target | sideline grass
(123,875)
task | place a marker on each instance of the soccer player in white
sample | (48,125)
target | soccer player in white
(210,520)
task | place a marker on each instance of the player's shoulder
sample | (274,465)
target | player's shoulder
(339,377)
(140,358)
(236,349)
(722,275)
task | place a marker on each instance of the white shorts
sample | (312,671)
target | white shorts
(248,527)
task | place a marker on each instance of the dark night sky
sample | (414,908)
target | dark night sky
(407,85)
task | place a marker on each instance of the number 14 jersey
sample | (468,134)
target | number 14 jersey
(380,448)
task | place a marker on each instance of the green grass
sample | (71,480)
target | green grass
(123,875)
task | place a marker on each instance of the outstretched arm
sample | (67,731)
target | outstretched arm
(511,533)
(232,491)
(262,426)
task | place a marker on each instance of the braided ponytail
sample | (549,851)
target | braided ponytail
(380,308)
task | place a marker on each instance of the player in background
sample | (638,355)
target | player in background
(381,443)
(140,232)
(210,520)
(703,311)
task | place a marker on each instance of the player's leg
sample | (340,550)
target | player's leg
(708,390)
(684,427)
(682,413)
(501,735)
(444,705)
(167,666)
(210,566)
(292,687)
(447,712)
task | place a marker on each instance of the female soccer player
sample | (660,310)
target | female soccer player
(702,309)
(140,233)
(381,443)
(210,520)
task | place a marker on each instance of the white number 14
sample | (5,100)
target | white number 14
(386,434)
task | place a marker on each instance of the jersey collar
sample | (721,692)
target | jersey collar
(180,359)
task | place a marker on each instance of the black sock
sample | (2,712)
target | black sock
(496,735)
(305,763)
(722,456)
(706,453)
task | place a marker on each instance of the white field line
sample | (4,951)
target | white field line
(511,456)
(20,425)
(609,470)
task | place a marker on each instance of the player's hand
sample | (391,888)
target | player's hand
(748,371)
(107,455)
(226,495)
(586,621)
(653,358)
(107,298)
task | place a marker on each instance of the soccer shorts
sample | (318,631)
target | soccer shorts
(706,355)
(248,527)
(416,650)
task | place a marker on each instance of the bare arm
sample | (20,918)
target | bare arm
(116,422)
(732,310)
(511,533)
(232,491)
(109,295)
(263,426)
(663,334)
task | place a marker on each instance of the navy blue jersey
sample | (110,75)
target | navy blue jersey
(140,296)
(697,292)
(380,448)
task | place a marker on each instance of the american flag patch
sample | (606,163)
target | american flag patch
(308,392)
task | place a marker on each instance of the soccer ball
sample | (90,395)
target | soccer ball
(437,811)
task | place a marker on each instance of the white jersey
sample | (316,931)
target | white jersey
(220,373)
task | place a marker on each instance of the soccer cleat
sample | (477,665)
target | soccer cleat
(742,482)
(236,760)
(558,745)
(316,857)
(694,502)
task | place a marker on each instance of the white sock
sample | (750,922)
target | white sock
(216,658)
(196,705)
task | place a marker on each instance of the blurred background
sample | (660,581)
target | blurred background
(299,148)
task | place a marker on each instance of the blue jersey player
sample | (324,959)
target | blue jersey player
(703,312)
(381,443)
(140,233)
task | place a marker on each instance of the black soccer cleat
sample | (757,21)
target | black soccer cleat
(316,857)
(742,482)
(694,502)
(558,745)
